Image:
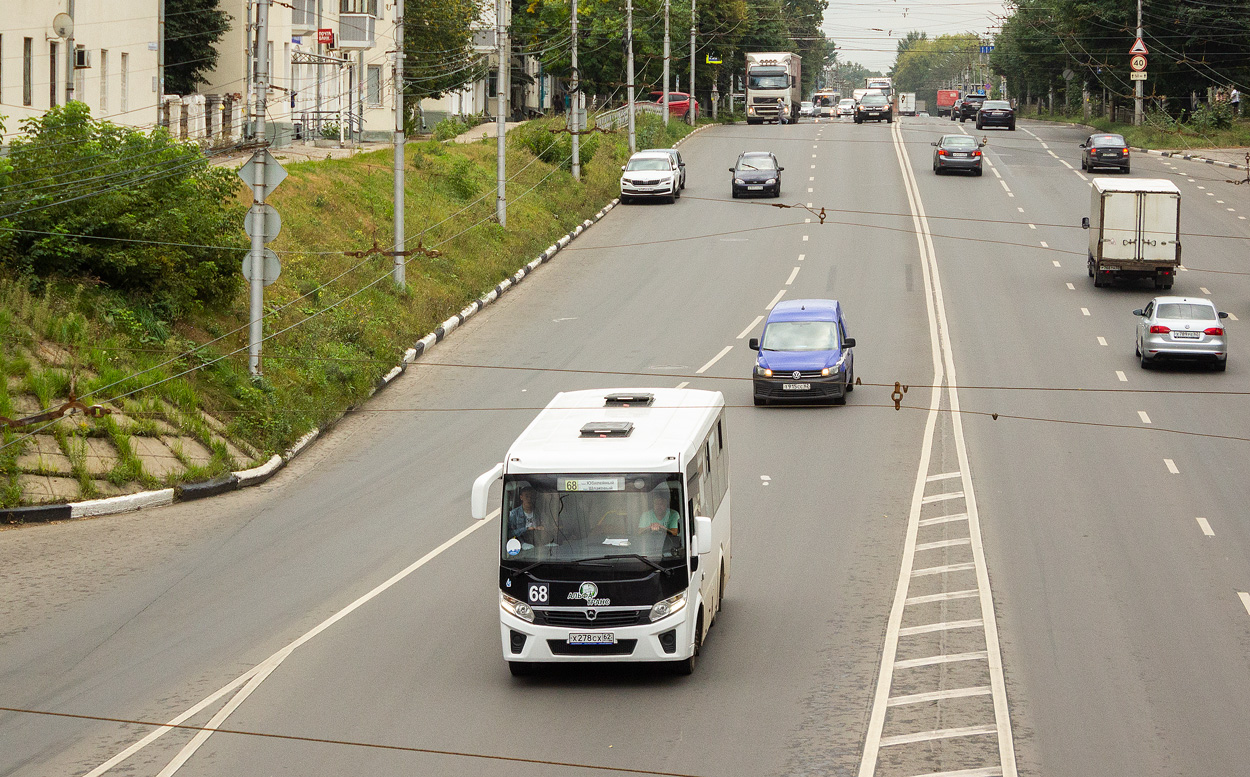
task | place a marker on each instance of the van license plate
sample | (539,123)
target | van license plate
(754,188)
(796,387)
(595,638)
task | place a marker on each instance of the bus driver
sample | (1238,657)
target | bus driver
(523,520)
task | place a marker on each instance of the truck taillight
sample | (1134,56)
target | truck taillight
(1215,330)
(1159,330)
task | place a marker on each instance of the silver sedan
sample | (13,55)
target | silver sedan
(1181,329)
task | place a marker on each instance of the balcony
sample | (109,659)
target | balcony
(356,31)
(303,16)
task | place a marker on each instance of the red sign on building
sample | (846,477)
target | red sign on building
(326,37)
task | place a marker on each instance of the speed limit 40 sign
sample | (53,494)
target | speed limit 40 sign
(1137,62)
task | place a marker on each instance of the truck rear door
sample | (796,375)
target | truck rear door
(1119,226)
(1160,213)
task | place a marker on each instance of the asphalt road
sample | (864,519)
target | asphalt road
(1125,646)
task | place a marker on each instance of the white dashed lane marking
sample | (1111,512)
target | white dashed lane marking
(1205,526)
(1204,289)
(1119,374)
(1044,244)
(1065,164)
(1102,341)
(1171,465)
(790,280)
(713,360)
(1071,287)
(750,327)
(1145,419)
(1084,311)
(1245,600)
(776,299)
(802,257)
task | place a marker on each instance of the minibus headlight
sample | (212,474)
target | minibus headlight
(661,610)
(762,370)
(517,607)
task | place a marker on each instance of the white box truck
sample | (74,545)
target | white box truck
(1134,230)
(907,103)
(774,88)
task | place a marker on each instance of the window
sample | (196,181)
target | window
(104,81)
(80,75)
(359,6)
(28,71)
(373,85)
(125,88)
(52,74)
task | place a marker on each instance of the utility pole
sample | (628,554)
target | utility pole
(666,59)
(256,281)
(693,102)
(397,273)
(160,55)
(69,59)
(1138,85)
(575,104)
(501,107)
(629,72)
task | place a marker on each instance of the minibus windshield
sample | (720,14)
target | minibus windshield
(598,519)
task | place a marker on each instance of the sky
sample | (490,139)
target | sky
(868,31)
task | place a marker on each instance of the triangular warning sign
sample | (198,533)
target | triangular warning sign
(1138,48)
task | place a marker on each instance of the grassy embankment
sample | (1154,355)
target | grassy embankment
(337,322)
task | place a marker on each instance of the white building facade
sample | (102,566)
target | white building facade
(108,59)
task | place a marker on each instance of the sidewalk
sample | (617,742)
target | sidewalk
(486,130)
(1235,157)
(300,152)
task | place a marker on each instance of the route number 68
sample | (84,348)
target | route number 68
(538,593)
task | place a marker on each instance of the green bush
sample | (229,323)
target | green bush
(127,209)
(452,126)
(1211,116)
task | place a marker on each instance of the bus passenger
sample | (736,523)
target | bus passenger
(660,517)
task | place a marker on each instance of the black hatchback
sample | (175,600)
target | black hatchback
(757,172)
(996,113)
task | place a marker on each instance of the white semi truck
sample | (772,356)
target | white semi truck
(774,88)
(1134,230)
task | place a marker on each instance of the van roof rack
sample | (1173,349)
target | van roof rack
(607,429)
(625,399)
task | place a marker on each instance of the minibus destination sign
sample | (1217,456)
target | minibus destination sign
(593,484)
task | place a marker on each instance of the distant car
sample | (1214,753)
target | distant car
(996,113)
(1181,328)
(650,174)
(807,108)
(922,115)
(967,107)
(846,107)
(804,353)
(957,152)
(874,107)
(757,172)
(1105,150)
(678,103)
(676,155)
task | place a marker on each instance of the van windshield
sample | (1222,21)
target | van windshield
(800,336)
(593,518)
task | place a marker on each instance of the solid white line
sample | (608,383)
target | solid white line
(271,663)
(1171,465)
(751,326)
(715,359)
(776,299)
(1145,419)
(929,628)
(984,771)
(945,733)
(1245,599)
(793,275)
(943,476)
(944,519)
(1119,374)
(946,596)
(1205,526)
(949,693)
(928,500)
(949,658)
(966,566)
(1102,341)
(943,544)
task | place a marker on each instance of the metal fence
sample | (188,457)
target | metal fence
(619,117)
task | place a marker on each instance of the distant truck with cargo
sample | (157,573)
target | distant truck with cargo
(946,100)
(1134,230)
(774,88)
(907,104)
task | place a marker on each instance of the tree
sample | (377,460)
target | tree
(437,53)
(192,30)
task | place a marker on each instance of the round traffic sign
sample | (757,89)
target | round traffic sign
(1137,62)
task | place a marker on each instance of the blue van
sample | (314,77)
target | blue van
(804,353)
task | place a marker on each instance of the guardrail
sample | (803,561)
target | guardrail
(619,117)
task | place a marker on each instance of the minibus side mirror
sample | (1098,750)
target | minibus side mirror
(480,495)
(703,534)
(848,342)
(753,343)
